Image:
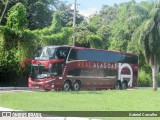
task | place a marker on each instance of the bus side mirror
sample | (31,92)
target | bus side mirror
(25,61)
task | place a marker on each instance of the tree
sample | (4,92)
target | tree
(120,32)
(5,5)
(17,17)
(56,23)
(39,15)
(147,35)
(81,35)
(67,14)
(108,14)
(39,12)
(95,23)
(104,32)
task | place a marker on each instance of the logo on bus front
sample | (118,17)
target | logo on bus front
(123,76)
(34,64)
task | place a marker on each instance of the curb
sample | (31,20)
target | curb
(18,88)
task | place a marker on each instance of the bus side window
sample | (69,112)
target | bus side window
(61,54)
(56,69)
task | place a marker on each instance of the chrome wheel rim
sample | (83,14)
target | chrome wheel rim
(66,87)
(76,87)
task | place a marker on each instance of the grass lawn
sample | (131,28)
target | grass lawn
(107,100)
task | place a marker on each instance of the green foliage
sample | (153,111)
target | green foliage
(1,41)
(19,43)
(95,41)
(53,29)
(81,35)
(146,36)
(104,32)
(110,25)
(144,79)
(120,32)
(40,15)
(108,14)
(94,23)
(26,45)
(67,14)
(53,35)
(9,66)
(60,38)
(9,38)
(39,12)
(17,17)
(56,23)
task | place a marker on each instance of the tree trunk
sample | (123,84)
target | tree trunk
(155,70)
(4,11)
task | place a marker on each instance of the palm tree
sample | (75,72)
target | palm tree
(147,35)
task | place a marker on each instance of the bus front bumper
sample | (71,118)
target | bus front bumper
(46,83)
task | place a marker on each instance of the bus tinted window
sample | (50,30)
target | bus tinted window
(62,52)
(102,56)
(130,59)
(92,72)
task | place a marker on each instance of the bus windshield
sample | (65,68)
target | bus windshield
(39,71)
(47,53)
(44,53)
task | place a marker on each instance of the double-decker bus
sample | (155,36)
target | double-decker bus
(75,68)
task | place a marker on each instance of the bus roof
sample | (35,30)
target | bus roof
(82,48)
(55,46)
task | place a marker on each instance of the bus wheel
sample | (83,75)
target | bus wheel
(76,86)
(117,85)
(66,86)
(124,85)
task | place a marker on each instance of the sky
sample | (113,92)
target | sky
(89,7)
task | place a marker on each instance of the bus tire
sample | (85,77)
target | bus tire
(76,86)
(117,85)
(124,85)
(66,86)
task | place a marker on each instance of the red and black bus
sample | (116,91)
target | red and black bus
(75,68)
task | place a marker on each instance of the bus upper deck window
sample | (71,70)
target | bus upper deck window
(61,54)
